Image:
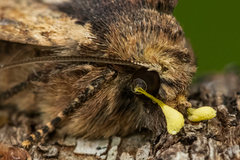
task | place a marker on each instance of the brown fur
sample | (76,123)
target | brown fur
(128,31)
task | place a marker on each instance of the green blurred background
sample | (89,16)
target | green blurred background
(213,28)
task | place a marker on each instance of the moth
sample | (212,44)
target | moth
(85,57)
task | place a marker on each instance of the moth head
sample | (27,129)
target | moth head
(167,69)
(175,67)
(158,42)
(169,72)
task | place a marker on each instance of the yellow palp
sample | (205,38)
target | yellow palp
(200,114)
(175,120)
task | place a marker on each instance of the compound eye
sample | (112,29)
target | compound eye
(148,80)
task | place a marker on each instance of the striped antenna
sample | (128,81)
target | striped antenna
(81,58)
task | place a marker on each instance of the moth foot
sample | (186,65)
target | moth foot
(185,104)
(26,144)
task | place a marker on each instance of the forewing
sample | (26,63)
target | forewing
(32,22)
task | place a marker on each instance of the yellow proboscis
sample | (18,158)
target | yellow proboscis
(175,120)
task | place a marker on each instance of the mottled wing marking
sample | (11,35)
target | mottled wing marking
(32,22)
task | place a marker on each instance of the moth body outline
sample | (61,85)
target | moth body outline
(131,31)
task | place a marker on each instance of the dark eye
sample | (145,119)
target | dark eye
(151,80)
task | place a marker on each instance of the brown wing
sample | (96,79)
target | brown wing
(35,23)
(32,22)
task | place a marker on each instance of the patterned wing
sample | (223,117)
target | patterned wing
(33,22)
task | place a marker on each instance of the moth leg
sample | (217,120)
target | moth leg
(18,88)
(14,90)
(89,91)
(183,103)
